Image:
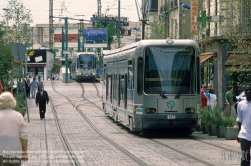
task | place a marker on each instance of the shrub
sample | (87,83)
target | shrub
(21,103)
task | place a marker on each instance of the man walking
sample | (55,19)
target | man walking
(41,99)
(40,82)
(244,122)
(33,85)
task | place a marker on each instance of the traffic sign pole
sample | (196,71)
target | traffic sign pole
(19,50)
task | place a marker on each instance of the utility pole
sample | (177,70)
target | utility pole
(118,23)
(63,41)
(143,26)
(66,48)
(51,31)
(81,36)
(99,8)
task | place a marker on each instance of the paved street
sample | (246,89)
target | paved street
(90,148)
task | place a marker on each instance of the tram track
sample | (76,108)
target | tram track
(76,107)
(165,145)
(71,156)
(199,159)
(157,142)
(183,153)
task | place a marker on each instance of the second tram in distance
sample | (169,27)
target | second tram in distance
(153,84)
(83,66)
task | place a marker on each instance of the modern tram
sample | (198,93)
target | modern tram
(83,66)
(153,84)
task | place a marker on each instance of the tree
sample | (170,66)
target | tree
(57,65)
(111,31)
(16,21)
(12,29)
(238,32)
(6,57)
(157,29)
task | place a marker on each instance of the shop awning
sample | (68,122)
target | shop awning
(234,61)
(203,58)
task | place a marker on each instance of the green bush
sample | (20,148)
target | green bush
(207,118)
(217,115)
(229,122)
(21,103)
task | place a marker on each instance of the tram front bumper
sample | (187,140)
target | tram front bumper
(179,121)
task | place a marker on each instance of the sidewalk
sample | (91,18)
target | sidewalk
(39,140)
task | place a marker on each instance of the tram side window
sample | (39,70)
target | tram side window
(140,76)
(129,82)
(122,89)
(104,74)
(111,85)
(107,86)
(125,94)
(115,87)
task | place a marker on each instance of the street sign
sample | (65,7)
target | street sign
(19,50)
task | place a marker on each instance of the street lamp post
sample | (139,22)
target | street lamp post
(118,23)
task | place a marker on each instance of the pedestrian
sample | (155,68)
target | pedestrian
(211,99)
(1,87)
(203,97)
(40,82)
(229,109)
(98,71)
(41,99)
(20,86)
(13,133)
(33,87)
(244,123)
(28,88)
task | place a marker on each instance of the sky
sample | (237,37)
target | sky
(77,9)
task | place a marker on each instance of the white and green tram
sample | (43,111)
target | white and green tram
(83,66)
(153,84)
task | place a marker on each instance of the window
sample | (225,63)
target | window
(130,82)
(122,89)
(140,76)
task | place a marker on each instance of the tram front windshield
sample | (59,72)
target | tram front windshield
(86,61)
(170,70)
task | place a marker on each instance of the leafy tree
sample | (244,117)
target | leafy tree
(16,20)
(12,30)
(6,57)
(57,65)
(111,31)
(157,29)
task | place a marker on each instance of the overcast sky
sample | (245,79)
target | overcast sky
(73,8)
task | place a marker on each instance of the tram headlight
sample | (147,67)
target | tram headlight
(93,74)
(80,73)
(134,109)
(150,110)
(190,110)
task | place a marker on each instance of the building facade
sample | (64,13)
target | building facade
(218,26)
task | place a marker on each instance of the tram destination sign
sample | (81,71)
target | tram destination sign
(171,49)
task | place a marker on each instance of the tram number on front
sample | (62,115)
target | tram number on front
(170,116)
